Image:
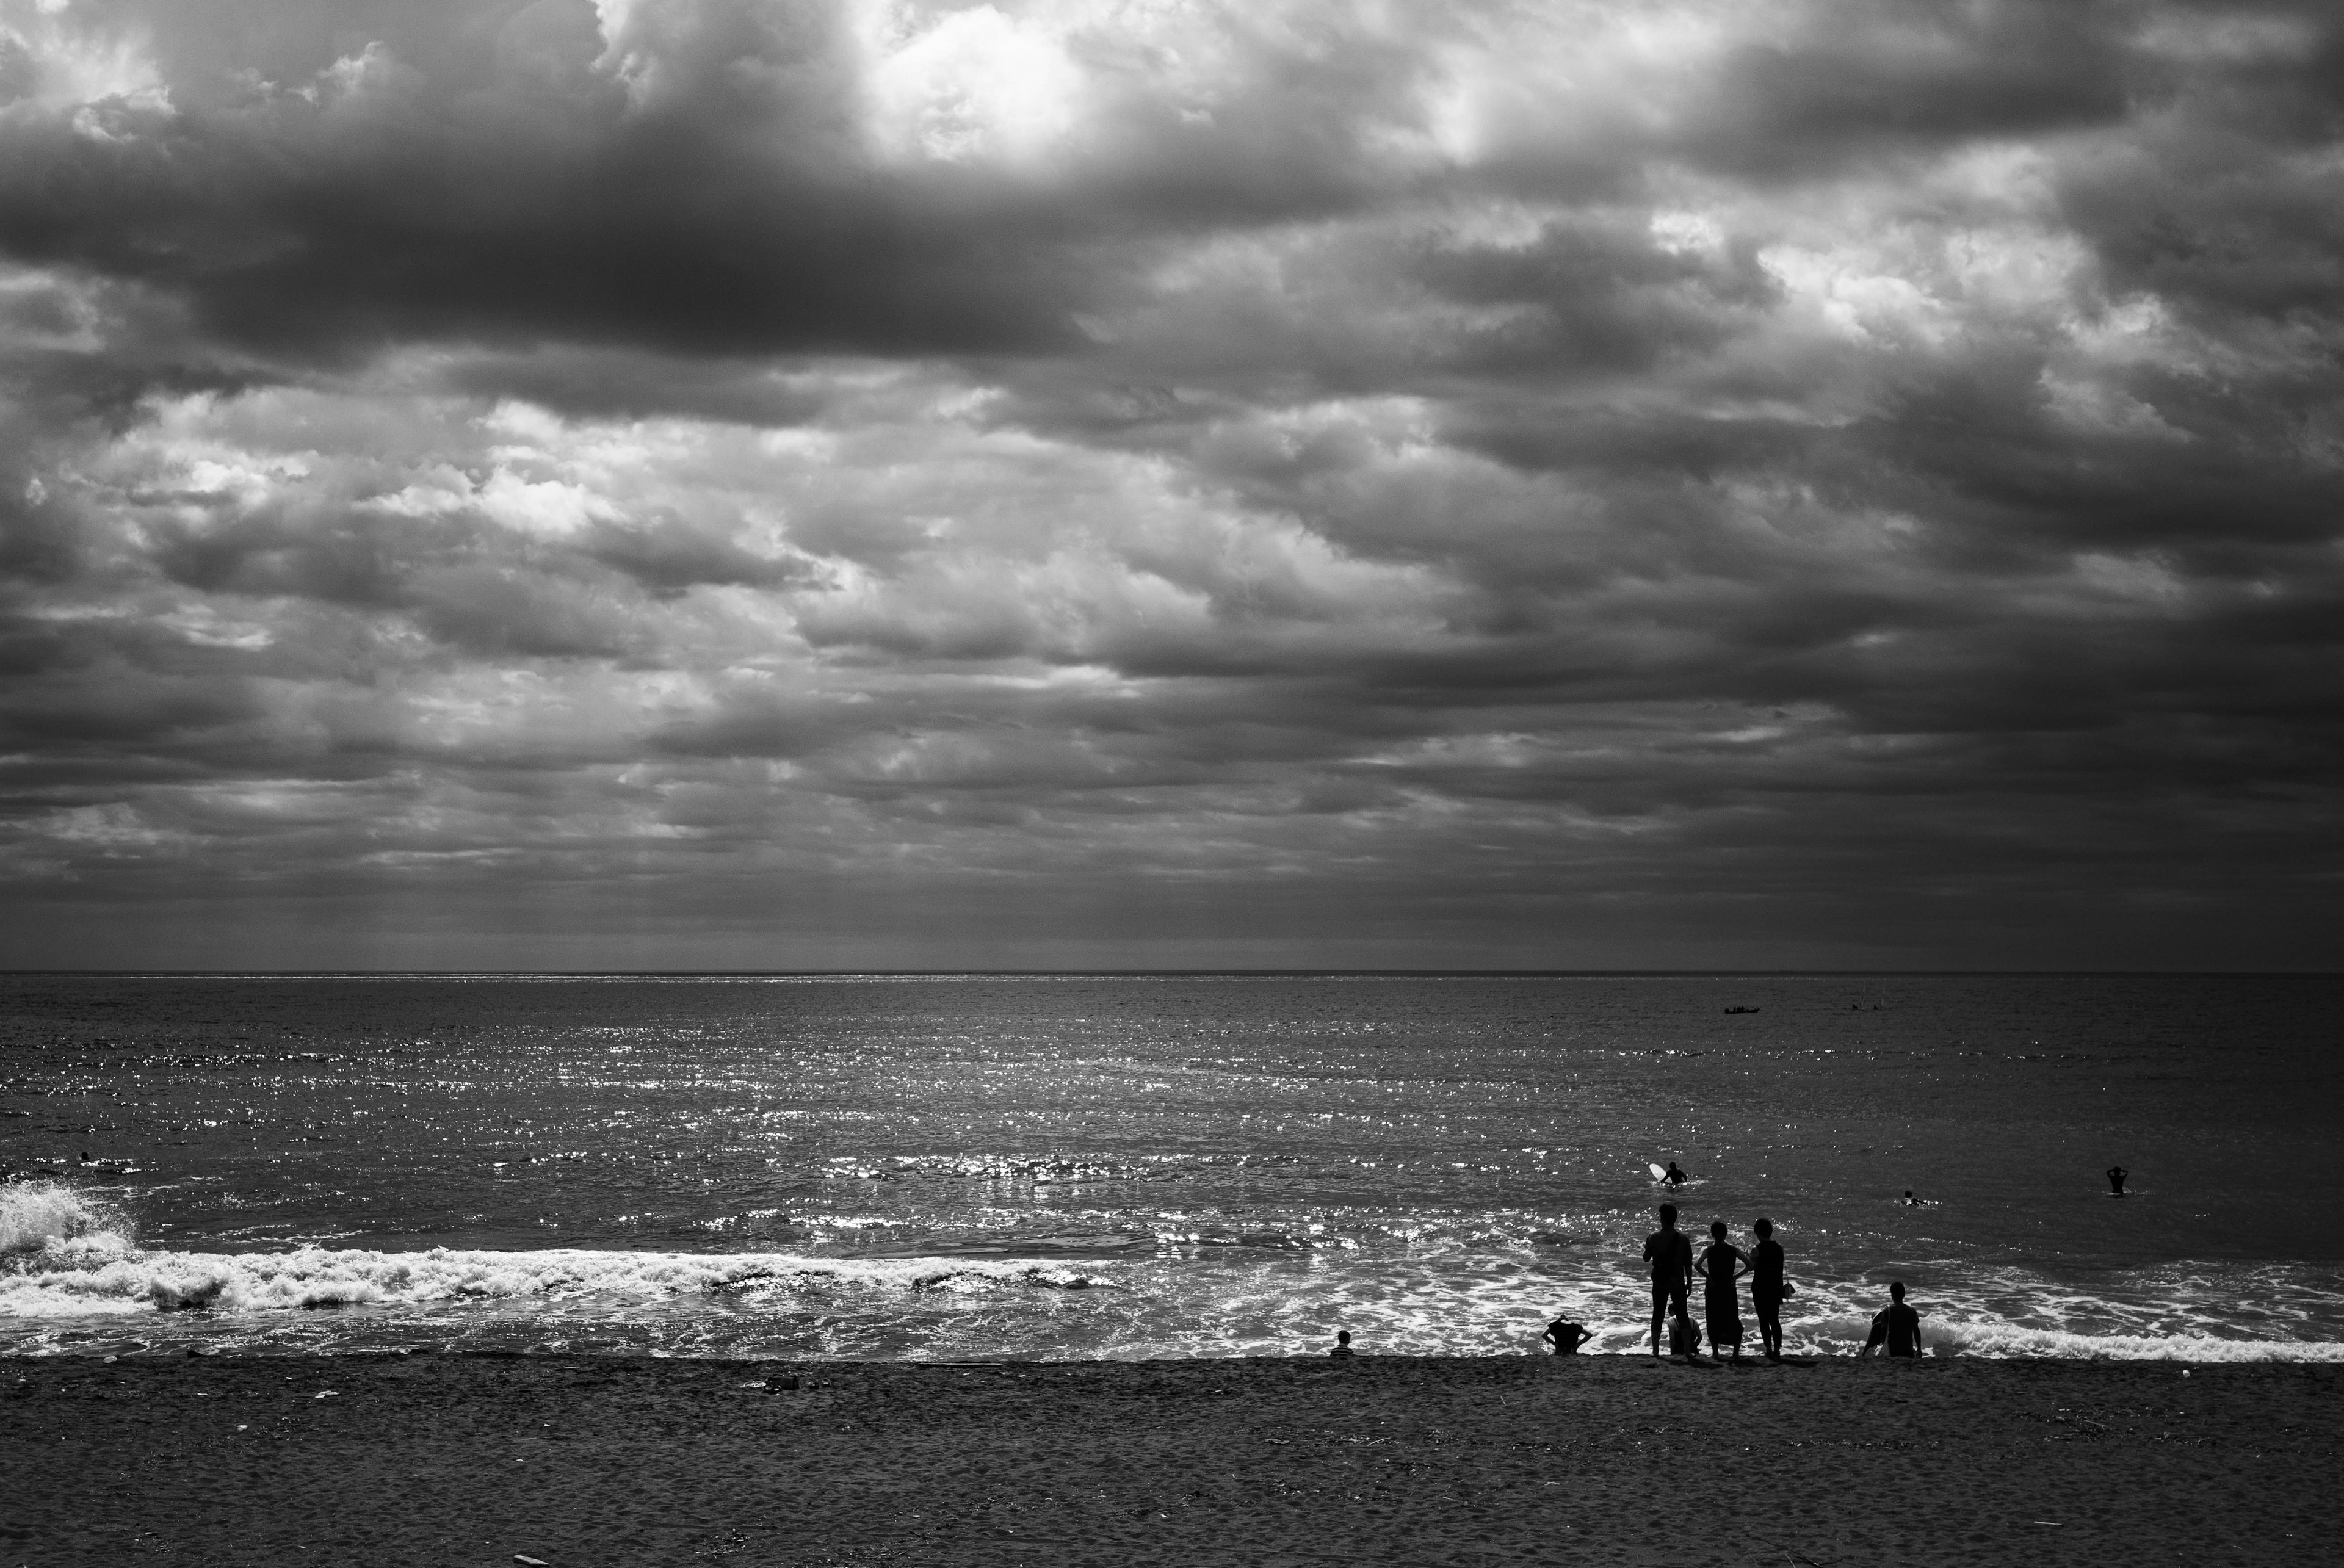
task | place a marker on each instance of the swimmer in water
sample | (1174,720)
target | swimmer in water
(2117,1174)
(1673,1176)
(1909,1201)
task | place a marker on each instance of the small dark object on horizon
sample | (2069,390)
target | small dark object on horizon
(782,1382)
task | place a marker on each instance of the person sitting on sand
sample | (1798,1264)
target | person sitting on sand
(2117,1174)
(1722,1263)
(1684,1335)
(1671,1256)
(1342,1351)
(1898,1328)
(1767,1288)
(1566,1337)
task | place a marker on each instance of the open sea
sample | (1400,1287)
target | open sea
(1001,1167)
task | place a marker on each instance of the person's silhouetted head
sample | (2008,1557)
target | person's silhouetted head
(1717,1229)
(1668,1214)
(1896,1290)
(1343,1336)
(1764,1227)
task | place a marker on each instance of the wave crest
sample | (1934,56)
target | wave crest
(110,1279)
(38,1217)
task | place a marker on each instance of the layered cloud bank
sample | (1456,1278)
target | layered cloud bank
(790,484)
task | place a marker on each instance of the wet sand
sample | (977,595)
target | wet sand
(576,1460)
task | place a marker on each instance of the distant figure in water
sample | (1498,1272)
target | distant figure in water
(1909,1201)
(1898,1328)
(1566,1337)
(1671,1256)
(1342,1351)
(2117,1174)
(1675,1177)
(1722,1264)
(1767,1288)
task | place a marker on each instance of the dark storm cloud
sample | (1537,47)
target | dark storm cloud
(761,481)
(697,177)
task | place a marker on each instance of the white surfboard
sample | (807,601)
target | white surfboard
(1660,1172)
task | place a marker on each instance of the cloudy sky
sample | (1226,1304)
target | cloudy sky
(844,483)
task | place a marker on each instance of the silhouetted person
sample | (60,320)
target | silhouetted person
(1898,1328)
(1684,1334)
(1671,1256)
(1566,1337)
(1342,1351)
(1722,1263)
(1767,1288)
(1909,1201)
(2117,1174)
(1675,1177)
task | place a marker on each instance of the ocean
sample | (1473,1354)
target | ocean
(960,1168)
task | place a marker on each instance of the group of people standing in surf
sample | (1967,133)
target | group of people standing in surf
(1720,1266)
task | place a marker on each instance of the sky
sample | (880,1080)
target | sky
(877,484)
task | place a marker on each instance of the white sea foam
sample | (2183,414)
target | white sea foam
(2003,1340)
(104,1275)
(37,1215)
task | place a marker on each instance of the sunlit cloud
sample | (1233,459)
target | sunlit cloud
(801,483)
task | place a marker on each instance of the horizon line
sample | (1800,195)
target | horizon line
(1329,972)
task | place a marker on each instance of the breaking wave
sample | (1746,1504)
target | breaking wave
(101,1273)
(40,1217)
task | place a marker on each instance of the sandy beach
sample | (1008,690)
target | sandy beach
(574,1460)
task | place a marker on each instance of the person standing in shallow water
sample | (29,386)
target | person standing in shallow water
(1671,1256)
(1767,1288)
(1720,1265)
(2117,1174)
(1898,1328)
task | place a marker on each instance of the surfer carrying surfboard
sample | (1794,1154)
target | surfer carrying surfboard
(1671,1256)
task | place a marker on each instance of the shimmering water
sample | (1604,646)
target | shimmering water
(1144,1166)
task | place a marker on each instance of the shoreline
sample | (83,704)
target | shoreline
(579,1458)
